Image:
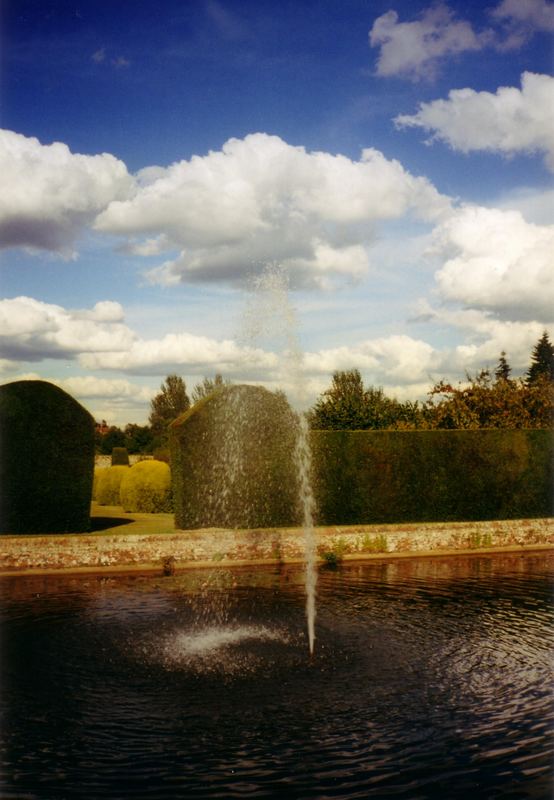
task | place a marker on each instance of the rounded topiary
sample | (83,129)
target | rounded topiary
(120,457)
(108,484)
(97,472)
(46,460)
(146,487)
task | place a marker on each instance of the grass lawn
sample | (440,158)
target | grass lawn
(113,519)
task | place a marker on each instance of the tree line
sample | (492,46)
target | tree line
(486,400)
(171,401)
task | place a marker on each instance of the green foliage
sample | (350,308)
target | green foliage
(542,360)
(478,539)
(108,485)
(166,406)
(374,544)
(46,460)
(331,558)
(484,403)
(335,553)
(97,472)
(232,457)
(480,402)
(348,405)
(146,487)
(120,457)
(162,454)
(105,442)
(208,386)
(138,438)
(419,476)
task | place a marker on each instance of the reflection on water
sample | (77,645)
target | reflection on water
(432,679)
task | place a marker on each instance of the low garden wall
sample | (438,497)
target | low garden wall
(201,548)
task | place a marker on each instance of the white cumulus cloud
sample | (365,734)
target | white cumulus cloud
(484,337)
(184,352)
(116,390)
(510,121)
(51,194)
(261,200)
(397,358)
(31,330)
(496,260)
(415,49)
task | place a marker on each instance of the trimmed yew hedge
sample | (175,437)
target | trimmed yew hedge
(120,457)
(414,476)
(232,461)
(46,460)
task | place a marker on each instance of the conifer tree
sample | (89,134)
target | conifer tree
(542,360)
(503,369)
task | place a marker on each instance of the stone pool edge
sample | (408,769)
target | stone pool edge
(180,550)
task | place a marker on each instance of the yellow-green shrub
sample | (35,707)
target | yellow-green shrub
(97,473)
(146,487)
(107,485)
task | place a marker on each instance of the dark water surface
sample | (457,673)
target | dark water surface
(432,678)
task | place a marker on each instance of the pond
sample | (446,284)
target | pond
(431,678)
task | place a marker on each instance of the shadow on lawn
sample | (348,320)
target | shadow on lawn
(102,523)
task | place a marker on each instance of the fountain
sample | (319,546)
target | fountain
(241,457)
(270,306)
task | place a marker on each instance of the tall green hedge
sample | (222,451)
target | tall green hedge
(120,457)
(46,460)
(232,459)
(409,476)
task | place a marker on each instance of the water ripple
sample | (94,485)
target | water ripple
(430,679)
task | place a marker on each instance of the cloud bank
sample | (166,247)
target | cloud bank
(260,199)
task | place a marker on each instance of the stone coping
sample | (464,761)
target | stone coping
(176,550)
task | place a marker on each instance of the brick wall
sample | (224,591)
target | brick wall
(229,547)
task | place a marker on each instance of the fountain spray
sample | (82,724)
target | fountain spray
(270,307)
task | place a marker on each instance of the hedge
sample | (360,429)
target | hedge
(413,476)
(108,482)
(120,457)
(46,460)
(232,460)
(146,487)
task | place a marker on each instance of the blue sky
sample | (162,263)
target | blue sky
(394,158)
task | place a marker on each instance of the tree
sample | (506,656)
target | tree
(342,405)
(138,438)
(348,405)
(542,360)
(503,369)
(113,437)
(207,386)
(166,406)
(482,403)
